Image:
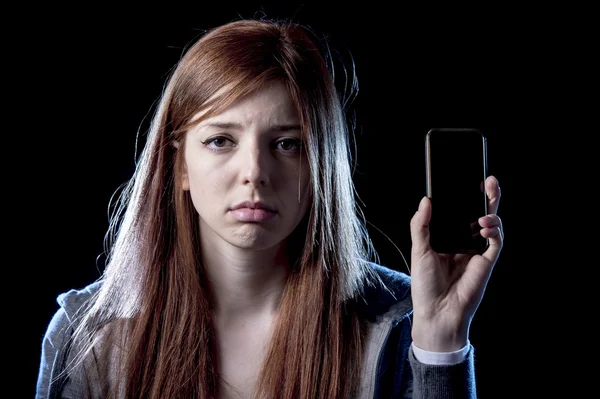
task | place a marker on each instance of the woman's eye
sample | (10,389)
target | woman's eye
(218,142)
(290,144)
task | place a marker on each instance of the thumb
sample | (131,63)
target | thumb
(419,225)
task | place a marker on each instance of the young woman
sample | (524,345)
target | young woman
(240,265)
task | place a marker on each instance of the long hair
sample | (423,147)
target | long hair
(152,317)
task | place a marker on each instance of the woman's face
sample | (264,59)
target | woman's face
(247,173)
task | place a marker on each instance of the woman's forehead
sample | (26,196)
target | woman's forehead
(271,107)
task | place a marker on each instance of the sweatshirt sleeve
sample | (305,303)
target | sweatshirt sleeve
(444,381)
(52,350)
(402,375)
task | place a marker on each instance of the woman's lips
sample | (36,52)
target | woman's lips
(252,214)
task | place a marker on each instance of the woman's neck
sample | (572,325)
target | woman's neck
(245,282)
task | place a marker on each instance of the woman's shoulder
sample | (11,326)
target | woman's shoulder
(386,293)
(71,301)
(391,277)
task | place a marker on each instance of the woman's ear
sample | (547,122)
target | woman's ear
(185,181)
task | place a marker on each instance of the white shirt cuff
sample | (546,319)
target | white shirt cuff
(440,358)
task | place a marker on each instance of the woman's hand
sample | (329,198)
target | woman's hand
(447,288)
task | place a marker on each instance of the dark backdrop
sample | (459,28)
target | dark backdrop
(95,75)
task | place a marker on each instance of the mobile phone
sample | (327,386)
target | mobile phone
(456,169)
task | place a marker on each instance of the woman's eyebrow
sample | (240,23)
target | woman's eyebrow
(285,128)
(221,125)
(279,128)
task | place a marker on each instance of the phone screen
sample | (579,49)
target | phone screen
(456,163)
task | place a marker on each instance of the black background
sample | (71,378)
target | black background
(92,76)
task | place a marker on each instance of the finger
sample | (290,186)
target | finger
(489,221)
(490,232)
(419,225)
(490,226)
(494,232)
(487,226)
(492,188)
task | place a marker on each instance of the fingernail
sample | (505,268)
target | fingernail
(422,203)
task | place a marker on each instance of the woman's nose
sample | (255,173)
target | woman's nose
(256,167)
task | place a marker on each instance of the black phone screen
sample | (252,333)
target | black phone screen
(456,163)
